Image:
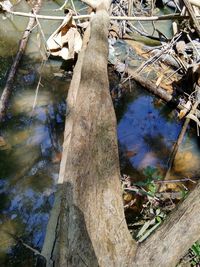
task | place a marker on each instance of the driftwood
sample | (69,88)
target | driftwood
(7,91)
(89,227)
(92,143)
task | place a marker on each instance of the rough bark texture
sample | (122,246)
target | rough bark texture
(172,240)
(93,230)
(89,227)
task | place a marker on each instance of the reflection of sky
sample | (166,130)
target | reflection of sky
(141,122)
(30,196)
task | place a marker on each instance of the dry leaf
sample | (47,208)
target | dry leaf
(185,110)
(66,40)
(6,5)
(159,79)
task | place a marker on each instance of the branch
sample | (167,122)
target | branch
(22,46)
(177,234)
(192,15)
(153,18)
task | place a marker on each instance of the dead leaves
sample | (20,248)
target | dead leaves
(66,41)
(5,6)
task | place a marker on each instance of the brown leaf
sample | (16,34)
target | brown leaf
(66,40)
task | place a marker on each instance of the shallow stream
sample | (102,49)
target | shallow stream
(31,139)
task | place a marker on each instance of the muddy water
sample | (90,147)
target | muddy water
(31,139)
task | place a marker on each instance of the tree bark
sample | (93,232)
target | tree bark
(92,230)
(177,234)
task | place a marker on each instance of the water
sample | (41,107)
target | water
(31,139)
(147,131)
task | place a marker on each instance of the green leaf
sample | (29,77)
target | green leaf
(152,188)
(148,232)
(149,171)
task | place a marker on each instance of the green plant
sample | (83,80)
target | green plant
(195,251)
(152,175)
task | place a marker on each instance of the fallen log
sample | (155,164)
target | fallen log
(90,228)
(89,183)
(92,193)
(7,91)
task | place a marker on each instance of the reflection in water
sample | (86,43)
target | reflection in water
(27,171)
(148,132)
(30,140)
(33,141)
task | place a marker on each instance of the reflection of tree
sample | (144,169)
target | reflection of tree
(19,256)
(158,146)
(165,112)
(129,96)
(126,166)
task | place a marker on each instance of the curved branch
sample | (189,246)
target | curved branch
(177,234)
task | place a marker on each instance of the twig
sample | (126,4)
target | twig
(22,46)
(43,36)
(35,251)
(152,18)
(179,141)
(192,15)
(158,55)
(175,181)
(130,7)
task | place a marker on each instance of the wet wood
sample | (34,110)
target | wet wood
(7,91)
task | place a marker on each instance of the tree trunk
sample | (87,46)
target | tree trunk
(89,227)
(93,227)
